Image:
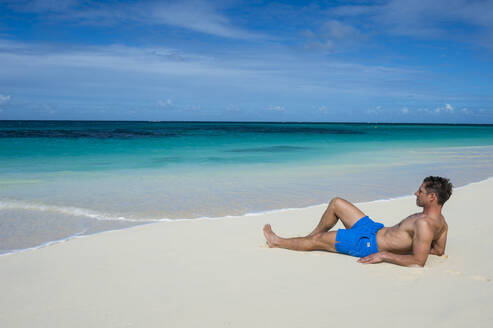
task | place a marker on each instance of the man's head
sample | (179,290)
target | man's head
(433,189)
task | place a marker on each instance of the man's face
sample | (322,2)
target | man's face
(422,196)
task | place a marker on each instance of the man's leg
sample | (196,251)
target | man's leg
(338,209)
(321,241)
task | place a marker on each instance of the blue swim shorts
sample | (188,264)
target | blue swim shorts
(360,240)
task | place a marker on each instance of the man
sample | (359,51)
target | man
(407,243)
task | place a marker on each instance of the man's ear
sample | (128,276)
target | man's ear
(433,196)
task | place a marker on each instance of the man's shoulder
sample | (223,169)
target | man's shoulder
(427,223)
(433,220)
(414,216)
(424,221)
(418,217)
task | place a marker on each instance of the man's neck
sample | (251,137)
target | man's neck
(432,211)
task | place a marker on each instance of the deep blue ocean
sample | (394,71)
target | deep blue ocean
(64,178)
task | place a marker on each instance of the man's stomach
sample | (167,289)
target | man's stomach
(394,240)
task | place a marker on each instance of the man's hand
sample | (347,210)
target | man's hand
(373,258)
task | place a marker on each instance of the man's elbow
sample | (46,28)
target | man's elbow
(437,252)
(419,262)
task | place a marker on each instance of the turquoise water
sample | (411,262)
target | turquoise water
(59,179)
(102,146)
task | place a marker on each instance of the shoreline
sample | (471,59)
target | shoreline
(95,215)
(131,174)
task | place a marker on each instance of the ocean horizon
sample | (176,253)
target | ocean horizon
(253,121)
(60,179)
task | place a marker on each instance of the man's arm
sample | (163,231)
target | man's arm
(438,246)
(423,236)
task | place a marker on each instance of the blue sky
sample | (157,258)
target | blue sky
(350,61)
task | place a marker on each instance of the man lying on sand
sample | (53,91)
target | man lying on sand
(407,243)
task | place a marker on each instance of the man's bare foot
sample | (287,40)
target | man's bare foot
(270,236)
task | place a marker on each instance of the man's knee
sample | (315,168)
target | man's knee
(336,202)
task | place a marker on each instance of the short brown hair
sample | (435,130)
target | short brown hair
(441,187)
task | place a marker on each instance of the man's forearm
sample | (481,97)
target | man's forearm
(404,260)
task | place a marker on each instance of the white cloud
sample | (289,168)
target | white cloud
(376,111)
(278,70)
(154,60)
(197,15)
(334,29)
(333,35)
(276,108)
(4,99)
(200,16)
(168,104)
(447,109)
(108,70)
(466,110)
(427,19)
(405,110)
(165,103)
(308,33)
(323,109)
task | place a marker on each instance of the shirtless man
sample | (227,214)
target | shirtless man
(407,243)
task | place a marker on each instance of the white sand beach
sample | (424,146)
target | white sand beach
(220,273)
